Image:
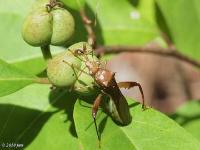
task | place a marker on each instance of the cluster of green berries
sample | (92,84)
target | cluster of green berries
(67,70)
(49,23)
(48,26)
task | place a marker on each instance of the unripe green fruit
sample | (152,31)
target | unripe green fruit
(39,4)
(69,73)
(60,73)
(37,28)
(44,28)
(85,85)
(63,26)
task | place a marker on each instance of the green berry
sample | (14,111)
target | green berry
(39,4)
(85,84)
(60,73)
(63,26)
(63,74)
(37,28)
(44,26)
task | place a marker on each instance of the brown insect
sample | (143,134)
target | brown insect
(105,79)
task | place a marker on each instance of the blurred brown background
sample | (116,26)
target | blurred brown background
(167,82)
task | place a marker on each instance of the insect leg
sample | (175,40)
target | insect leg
(128,85)
(85,87)
(77,76)
(73,66)
(76,67)
(94,112)
(84,49)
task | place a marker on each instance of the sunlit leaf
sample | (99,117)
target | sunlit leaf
(188,116)
(182,18)
(13,79)
(149,130)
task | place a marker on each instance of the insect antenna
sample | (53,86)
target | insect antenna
(95,108)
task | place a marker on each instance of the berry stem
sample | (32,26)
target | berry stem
(46,52)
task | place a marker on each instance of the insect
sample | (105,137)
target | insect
(106,81)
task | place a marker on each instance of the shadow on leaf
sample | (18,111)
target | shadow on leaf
(183,118)
(19,124)
(65,101)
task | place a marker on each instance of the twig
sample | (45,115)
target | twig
(156,50)
(88,26)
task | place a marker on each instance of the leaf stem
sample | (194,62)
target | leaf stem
(42,81)
(46,52)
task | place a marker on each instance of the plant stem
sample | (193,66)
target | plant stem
(156,50)
(46,52)
(88,26)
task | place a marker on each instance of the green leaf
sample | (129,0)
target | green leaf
(182,18)
(188,116)
(13,79)
(131,26)
(147,10)
(109,30)
(112,29)
(32,65)
(12,45)
(149,130)
(75,4)
(38,119)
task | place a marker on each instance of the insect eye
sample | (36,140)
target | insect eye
(79,51)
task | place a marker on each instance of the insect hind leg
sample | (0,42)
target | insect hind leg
(95,108)
(128,85)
